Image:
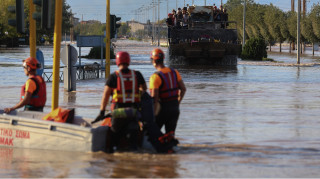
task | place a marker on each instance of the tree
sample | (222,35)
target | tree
(291,22)
(92,28)
(7,33)
(274,17)
(307,29)
(124,30)
(231,4)
(4,27)
(315,19)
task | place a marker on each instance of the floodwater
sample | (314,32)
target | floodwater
(253,120)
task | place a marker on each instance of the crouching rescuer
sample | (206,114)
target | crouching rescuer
(125,86)
(33,92)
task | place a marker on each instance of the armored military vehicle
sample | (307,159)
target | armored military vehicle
(208,38)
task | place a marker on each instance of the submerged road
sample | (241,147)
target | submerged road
(252,120)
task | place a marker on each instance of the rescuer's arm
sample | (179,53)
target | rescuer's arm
(143,88)
(141,82)
(155,95)
(104,102)
(183,90)
(22,103)
(105,98)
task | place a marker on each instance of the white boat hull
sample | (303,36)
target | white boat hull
(26,130)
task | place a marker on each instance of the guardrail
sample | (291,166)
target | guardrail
(84,72)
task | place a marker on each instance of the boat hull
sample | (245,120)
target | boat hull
(25,130)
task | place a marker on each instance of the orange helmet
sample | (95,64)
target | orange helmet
(31,62)
(157,54)
(122,57)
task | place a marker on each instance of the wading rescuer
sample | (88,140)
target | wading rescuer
(125,86)
(167,88)
(33,92)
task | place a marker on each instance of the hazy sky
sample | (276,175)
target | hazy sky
(127,9)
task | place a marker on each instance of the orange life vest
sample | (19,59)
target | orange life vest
(39,96)
(127,90)
(168,90)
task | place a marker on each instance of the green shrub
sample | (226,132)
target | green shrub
(135,38)
(95,53)
(254,49)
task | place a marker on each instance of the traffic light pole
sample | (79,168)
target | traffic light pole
(107,66)
(56,54)
(32,30)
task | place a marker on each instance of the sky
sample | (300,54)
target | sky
(129,9)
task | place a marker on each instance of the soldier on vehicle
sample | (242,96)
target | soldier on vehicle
(174,16)
(170,24)
(125,86)
(179,18)
(185,18)
(167,88)
(33,92)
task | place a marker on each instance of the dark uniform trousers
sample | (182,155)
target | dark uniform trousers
(168,115)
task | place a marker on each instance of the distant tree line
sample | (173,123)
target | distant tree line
(274,25)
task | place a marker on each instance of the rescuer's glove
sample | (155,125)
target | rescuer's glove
(99,117)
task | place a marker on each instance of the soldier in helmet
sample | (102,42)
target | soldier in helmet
(167,88)
(33,92)
(125,86)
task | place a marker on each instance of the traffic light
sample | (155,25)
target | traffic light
(45,15)
(18,22)
(114,25)
(117,24)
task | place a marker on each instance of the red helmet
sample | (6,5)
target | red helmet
(31,62)
(122,57)
(157,54)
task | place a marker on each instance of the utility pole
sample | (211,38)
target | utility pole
(205,2)
(108,40)
(158,23)
(304,8)
(298,32)
(71,28)
(292,10)
(244,24)
(153,18)
(292,5)
(56,52)
(176,4)
(167,6)
(32,30)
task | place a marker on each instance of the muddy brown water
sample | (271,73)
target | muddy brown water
(253,120)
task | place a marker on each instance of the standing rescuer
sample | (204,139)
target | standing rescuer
(167,88)
(125,86)
(33,92)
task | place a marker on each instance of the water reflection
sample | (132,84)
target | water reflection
(206,69)
(69,97)
(298,72)
(141,165)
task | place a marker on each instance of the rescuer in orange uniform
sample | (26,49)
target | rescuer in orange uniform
(33,92)
(167,88)
(125,86)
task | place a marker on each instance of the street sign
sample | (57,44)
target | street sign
(90,41)
(65,55)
